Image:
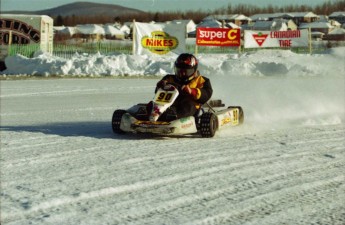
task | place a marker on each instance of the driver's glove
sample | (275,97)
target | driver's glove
(192,91)
(161,83)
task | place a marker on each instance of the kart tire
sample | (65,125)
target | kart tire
(208,125)
(116,121)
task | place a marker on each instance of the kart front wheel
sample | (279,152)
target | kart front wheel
(116,121)
(208,125)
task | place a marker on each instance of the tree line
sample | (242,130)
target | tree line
(197,15)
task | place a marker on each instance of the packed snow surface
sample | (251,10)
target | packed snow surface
(61,163)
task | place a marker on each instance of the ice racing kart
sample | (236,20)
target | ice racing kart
(211,117)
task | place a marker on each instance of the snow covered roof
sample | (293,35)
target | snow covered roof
(232,25)
(111,30)
(65,30)
(337,14)
(58,28)
(336,23)
(315,25)
(337,31)
(298,14)
(69,30)
(243,17)
(125,29)
(267,16)
(128,24)
(261,16)
(227,17)
(247,26)
(323,18)
(317,33)
(90,29)
(182,21)
(210,23)
(270,25)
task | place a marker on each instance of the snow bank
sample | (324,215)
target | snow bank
(283,63)
(260,63)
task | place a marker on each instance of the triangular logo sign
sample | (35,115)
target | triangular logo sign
(260,38)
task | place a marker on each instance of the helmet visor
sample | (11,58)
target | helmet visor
(184,73)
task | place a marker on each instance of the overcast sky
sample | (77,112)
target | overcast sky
(153,5)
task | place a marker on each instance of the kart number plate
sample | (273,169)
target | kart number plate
(165,96)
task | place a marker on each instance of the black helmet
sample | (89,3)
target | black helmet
(185,66)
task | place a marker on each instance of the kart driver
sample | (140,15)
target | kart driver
(194,89)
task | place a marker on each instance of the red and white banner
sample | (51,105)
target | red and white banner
(282,39)
(218,36)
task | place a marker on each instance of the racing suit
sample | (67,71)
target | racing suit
(188,104)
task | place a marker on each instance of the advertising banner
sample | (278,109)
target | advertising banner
(282,39)
(158,39)
(25,30)
(218,37)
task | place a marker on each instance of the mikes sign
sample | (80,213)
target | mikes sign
(218,37)
(162,39)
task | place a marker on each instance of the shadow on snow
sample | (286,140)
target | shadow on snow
(73,129)
(99,130)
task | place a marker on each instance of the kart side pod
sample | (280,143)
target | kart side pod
(213,120)
(231,116)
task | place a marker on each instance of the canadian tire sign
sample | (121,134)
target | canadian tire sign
(281,39)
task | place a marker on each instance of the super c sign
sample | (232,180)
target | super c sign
(218,36)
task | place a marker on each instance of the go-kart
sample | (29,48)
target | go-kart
(211,117)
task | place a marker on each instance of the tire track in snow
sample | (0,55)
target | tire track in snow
(164,207)
(316,169)
(144,185)
(214,168)
(218,164)
(274,201)
(50,93)
(45,112)
(209,159)
(47,158)
(201,160)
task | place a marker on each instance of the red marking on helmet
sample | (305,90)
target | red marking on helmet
(190,61)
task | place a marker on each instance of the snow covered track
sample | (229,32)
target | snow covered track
(61,163)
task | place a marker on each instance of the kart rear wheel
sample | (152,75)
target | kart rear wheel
(208,125)
(116,121)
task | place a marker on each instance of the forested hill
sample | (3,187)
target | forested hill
(83,9)
(96,13)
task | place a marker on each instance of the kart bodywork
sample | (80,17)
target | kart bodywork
(211,117)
